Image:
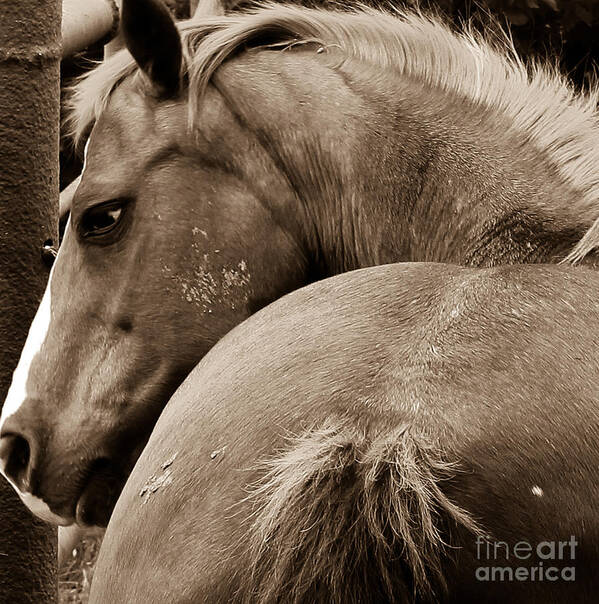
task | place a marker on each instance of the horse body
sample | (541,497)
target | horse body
(328,447)
(300,145)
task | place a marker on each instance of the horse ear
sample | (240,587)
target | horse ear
(152,37)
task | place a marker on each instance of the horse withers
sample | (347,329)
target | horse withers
(410,432)
(246,156)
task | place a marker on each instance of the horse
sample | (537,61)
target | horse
(246,156)
(409,432)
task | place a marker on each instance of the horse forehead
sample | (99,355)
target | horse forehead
(123,140)
(299,78)
(133,118)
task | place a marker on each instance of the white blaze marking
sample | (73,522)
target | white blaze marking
(84,157)
(41,510)
(38,331)
(17,393)
(39,507)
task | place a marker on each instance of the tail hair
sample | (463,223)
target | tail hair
(342,518)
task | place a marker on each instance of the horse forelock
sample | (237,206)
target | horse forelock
(540,102)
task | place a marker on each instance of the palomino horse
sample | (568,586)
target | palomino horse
(409,432)
(246,156)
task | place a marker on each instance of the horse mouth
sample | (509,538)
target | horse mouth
(99,495)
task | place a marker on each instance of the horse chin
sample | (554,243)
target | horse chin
(98,498)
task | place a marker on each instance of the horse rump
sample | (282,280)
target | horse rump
(343,517)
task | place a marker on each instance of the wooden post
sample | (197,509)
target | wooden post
(29,116)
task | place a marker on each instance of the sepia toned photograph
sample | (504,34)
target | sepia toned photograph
(299,301)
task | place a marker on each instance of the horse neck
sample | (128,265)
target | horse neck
(432,178)
(361,169)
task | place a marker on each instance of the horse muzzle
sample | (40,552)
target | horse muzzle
(16,467)
(61,493)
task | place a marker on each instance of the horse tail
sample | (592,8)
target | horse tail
(343,518)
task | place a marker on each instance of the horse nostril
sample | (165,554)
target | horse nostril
(14,458)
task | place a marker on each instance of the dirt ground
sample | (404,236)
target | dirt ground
(74,579)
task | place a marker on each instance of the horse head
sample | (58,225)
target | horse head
(149,276)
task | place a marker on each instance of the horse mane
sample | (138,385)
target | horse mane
(341,517)
(540,102)
(588,244)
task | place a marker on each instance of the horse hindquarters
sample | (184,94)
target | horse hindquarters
(344,518)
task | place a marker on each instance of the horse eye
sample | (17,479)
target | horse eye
(101,219)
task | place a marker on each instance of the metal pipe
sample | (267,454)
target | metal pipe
(117,41)
(207,8)
(85,22)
